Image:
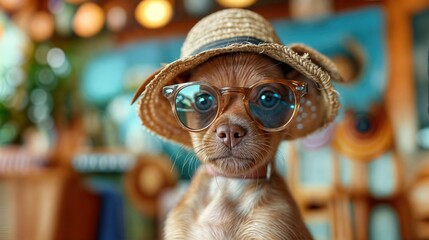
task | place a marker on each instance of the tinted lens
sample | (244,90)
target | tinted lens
(196,106)
(272,104)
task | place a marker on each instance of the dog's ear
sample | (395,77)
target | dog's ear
(143,86)
(319,59)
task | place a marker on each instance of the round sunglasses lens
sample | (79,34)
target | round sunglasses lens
(196,106)
(272,104)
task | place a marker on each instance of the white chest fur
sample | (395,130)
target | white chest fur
(229,204)
(225,208)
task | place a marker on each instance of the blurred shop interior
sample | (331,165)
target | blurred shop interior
(75,162)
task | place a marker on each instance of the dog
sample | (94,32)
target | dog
(232,96)
(236,193)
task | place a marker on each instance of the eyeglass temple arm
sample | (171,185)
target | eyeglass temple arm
(167,91)
(301,87)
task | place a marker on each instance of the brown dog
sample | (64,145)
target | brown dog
(237,193)
(235,92)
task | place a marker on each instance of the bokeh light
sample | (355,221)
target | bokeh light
(64,19)
(55,6)
(38,113)
(309,9)
(116,18)
(46,78)
(11,5)
(56,57)
(13,46)
(198,7)
(41,26)
(15,76)
(8,132)
(154,13)
(1,29)
(58,62)
(423,138)
(150,180)
(89,20)
(41,53)
(39,96)
(236,3)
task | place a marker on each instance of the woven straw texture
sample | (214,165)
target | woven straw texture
(225,25)
(318,107)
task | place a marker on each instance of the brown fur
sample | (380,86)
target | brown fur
(219,207)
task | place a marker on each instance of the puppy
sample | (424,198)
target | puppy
(236,193)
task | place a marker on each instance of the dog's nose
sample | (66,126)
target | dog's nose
(230,135)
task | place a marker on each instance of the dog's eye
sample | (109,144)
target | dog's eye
(269,99)
(203,102)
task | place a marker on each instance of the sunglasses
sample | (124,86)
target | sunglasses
(272,104)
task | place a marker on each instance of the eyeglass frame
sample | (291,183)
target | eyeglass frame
(298,88)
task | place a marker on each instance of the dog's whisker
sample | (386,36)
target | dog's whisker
(176,156)
(191,165)
(188,158)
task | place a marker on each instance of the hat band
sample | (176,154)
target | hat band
(226,42)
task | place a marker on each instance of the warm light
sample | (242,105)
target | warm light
(11,5)
(89,20)
(307,9)
(150,180)
(236,3)
(41,26)
(116,18)
(154,13)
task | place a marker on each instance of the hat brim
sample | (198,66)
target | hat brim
(156,114)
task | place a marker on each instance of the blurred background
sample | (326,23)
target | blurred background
(75,163)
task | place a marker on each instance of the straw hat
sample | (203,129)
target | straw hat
(239,30)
